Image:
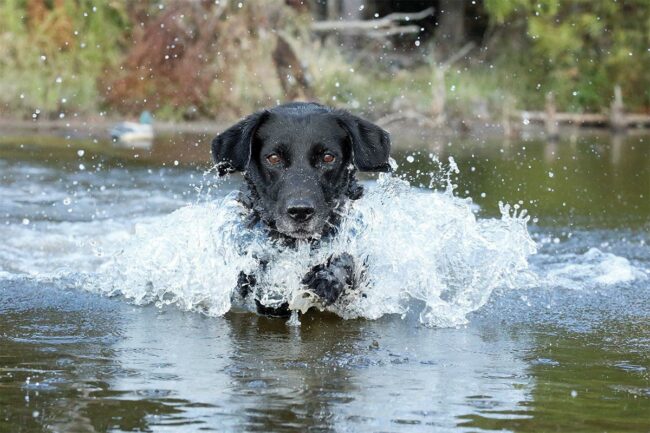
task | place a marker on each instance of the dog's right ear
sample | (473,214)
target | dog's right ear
(231,150)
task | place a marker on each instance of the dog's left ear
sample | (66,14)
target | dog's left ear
(231,150)
(370,143)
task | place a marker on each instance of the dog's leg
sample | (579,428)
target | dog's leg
(245,285)
(329,280)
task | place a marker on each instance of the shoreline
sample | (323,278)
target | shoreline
(403,131)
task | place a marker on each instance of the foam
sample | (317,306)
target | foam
(592,269)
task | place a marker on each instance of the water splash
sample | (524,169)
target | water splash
(592,269)
(415,249)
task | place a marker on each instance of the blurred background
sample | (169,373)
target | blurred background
(438,62)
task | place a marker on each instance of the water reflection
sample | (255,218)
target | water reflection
(133,144)
(596,181)
(101,365)
(433,378)
(582,382)
(75,362)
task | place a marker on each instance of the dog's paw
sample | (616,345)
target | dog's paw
(324,286)
(280,311)
(329,280)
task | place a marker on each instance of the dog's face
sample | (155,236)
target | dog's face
(299,167)
(299,160)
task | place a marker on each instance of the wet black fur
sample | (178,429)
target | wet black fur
(299,131)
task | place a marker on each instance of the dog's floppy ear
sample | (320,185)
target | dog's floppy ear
(231,150)
(370,143)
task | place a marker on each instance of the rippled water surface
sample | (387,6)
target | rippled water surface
(116,267)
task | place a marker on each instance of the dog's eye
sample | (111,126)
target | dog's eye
(328,158)
(274,159)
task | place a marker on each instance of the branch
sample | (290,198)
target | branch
(457,56)
(385,22)
(406,115)
(399,30)
(400,16)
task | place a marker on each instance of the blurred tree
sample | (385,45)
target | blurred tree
(171,60)
(62,57)
(582,48)
(450,33)
(53,51)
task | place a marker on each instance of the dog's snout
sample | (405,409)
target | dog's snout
(300,211)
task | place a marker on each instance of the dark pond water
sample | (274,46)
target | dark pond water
(568,352)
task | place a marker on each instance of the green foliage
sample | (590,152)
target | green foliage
(580,49)
(60,56)
(52,53)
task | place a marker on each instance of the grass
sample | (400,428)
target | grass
(51,59)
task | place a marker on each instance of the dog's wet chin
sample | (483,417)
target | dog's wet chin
(299,231)
(300,234)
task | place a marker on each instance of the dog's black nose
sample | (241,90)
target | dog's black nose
(300,212)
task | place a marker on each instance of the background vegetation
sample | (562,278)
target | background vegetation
(192,60)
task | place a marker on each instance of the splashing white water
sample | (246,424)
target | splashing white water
(413,249)
(592,269)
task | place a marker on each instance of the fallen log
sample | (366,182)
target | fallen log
(421,119)
(617,120)
(582,119)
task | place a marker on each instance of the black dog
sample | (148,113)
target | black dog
(299,161)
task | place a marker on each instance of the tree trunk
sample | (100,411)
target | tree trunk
(352,9)
(450,33)
(333,10)
(293,78)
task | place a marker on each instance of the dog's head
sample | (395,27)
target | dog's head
(299,160)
